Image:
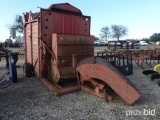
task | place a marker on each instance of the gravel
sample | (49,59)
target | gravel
(29,99)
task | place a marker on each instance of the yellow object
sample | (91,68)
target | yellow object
(155,67)
(61,38)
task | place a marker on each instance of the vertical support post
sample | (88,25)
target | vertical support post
(74,62)
(10,76)
(31,42)
(123,59)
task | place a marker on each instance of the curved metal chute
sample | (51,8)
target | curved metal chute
(105,75)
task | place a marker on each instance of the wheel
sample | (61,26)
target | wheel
(27,70)
(14,73)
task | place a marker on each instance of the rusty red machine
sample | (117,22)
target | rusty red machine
(59,50)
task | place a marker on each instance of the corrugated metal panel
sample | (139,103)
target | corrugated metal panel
(28,43)
(35,46)
(58,22)
(68,23)
(32,45)
(76,24)
(58,19)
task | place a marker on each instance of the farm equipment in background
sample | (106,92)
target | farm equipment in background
(121,61)
(11,71)
(146,55)
(153,74)
(140,56)
(59,50)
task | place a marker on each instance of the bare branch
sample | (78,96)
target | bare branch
(105,32)
(118,31)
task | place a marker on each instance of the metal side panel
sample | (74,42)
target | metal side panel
(65,23)
(28,42)
(69,50)
(35,48)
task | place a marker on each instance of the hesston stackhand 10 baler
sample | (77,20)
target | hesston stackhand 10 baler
(59,50)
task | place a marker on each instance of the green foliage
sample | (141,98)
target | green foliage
(8,43)
(145,39)
(96,38)
(18,24)
(155,37)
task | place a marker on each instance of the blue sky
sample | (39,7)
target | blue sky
(141,17)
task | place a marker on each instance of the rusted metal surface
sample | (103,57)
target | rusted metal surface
(68,51)
(140,56)
(32,45)
(58,18)
(58,90)
(64,23)
(146,56)
(65,7)
(27,44)
(95,87)
(58,38)
(96,68)
(54,58)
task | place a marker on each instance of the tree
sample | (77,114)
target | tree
(19,41)
(105,33)
(96,38)
(18,23)
(145,39)
(155,37)
(8,43)
(17,26)
(118,31)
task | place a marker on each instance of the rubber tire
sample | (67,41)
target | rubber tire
(14,73)
(27,70)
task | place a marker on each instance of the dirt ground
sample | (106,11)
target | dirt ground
(29,99)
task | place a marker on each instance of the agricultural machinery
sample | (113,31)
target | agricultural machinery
(59,50)
(153,74)
(11,72)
